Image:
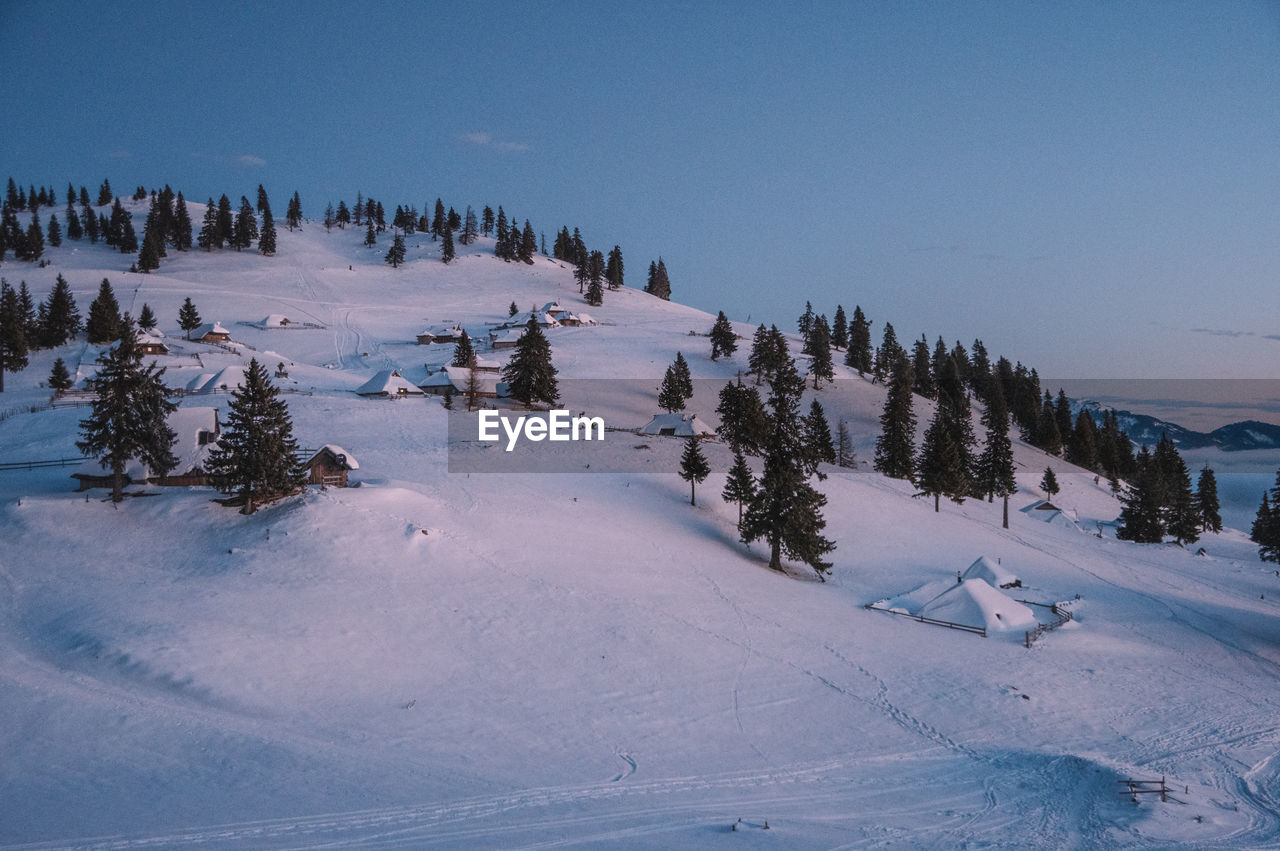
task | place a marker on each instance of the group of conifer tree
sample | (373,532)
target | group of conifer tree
(24,327)
(223,226)
(1159,502)
(593,272)
(1266,524)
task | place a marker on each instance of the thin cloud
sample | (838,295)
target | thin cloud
(250,161)
(483,140)
(1222,332)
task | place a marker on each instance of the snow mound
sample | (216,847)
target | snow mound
(227,379)
(992,573)
(975,603)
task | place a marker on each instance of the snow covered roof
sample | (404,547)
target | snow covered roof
(194,385)
(489,382)
(209,328)
(226,379)
(389,382)
(679,424)
(507,336)
(975,603)
(341,454)
(992,573)
(542,317)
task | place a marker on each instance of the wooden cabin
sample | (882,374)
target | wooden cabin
(329,467)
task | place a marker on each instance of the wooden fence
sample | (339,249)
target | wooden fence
(36,465)
(1061,616)
(962,627)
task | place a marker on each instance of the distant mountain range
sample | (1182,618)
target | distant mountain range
(1144,429)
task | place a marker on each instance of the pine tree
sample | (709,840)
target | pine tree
(446,246)
(889,355)
(104,193)
(27,314)
(1181,519)
(181,228)
(74,230)
(513,309)
(895,447)
(226,223)
(786,510)
(358,209)
(840,329)
(293,215)
(530,375)
(267,239)
(470,228)
(1047,435)
(246,226)
(59,377)
(61,317)
(939,470)
(817,436)
(486,220)
(659,284)
(149,254)
(463,351)
(370,235)
(146,319)
(743,421)
(210,235)
(13,337)
(1140,518)
(613,269)
(343,217)
(255,457)
(693,467)
(670,394)
(1206,505)
(528,246)
(188,317)
(995,466)
(681,368)
(1266,526)
(739,486)
(805,325)
(820,348)
(103,324)
(54,232)
(723,340)
(127,418)
(395,254)
(1049,484)
(1082,447)
(33,245)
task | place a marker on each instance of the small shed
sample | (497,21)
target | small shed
(329,467)
(211,333)
(152,343)
(678,425)
(451,334)
(389,383)
(506,338)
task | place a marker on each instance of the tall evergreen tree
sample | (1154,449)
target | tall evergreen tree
(895,447)
(743,421)
(395,254)
(267,239)
(840,329)
(188,317)
(226,222)
(1181,519)
(820,348)
(1206,505)
(530,375)
(817,436)
(61,317)
(210,234)
(343,217)
(486,220)
(293,215)
(723,340)
(103,324)
(446,246)
(659,283)
(739,486)
(370,233)
(74,230)
(693,467)
(890,355)
(128,415)
(1140,518)
(939,470)
(805,325)
(613,269)
(787,510)
(470,228)
(181,227)
(13,335)
(1266,526)
(922,366)
(246,226)
(263,204)
(147,318)
(255,457)
(758,362)
(670,394)
(54,232)
(995,465)
(845,455)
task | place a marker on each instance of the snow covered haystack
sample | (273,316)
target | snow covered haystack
(992,573)
(974,602)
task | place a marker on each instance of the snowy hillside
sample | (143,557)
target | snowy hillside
(437,659)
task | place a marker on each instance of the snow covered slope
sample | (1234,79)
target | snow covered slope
(438,659)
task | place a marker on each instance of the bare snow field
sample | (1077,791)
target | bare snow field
(437,659)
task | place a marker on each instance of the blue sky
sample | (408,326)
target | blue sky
(1090,188)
